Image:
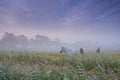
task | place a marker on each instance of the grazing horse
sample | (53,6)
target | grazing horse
(68,51)
(98,50)
(81,51)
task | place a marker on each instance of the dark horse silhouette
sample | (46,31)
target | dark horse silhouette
(81,51)
(98,50)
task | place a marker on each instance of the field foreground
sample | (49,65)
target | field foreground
(26,65)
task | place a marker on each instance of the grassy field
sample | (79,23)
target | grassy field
(31,65)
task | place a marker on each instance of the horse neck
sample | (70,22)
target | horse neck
(68,51)
(65,50)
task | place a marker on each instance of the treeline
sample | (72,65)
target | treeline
(10,41)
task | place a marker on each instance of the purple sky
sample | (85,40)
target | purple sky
(69,20)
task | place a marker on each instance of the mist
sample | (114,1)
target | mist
(11,41)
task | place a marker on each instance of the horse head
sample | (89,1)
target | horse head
(82,51)
(98,50)
(62,49)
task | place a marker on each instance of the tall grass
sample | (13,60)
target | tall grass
(26,65)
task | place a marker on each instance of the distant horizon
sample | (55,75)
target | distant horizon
(49,44)
(33,36)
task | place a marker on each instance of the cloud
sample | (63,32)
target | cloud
(109,12)
(5,17)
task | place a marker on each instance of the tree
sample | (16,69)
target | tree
(22,42)
(9,41)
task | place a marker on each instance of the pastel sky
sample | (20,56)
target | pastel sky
(69,20)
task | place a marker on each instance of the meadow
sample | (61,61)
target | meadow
(48,65)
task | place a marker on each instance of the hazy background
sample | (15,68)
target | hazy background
(50,24)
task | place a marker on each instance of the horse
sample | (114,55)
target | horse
(67,51)
(98,50)
(81,51)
